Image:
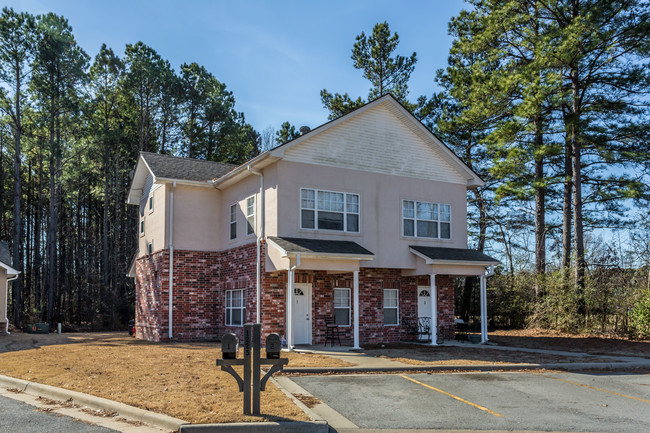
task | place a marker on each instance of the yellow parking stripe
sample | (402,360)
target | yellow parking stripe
(453,396)
(593,387)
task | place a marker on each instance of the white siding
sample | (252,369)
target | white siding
(379,141)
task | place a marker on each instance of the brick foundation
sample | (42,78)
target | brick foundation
(201,279)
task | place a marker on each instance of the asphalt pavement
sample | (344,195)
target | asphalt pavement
(19,417)
(489,401)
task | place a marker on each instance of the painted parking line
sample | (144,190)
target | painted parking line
(592,387)
(453,396)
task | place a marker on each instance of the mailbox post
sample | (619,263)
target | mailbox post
(252,383)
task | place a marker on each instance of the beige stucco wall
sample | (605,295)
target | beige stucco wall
(3,296)
(381,198)
(154,222)
(197,218)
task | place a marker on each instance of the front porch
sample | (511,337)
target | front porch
(327,286)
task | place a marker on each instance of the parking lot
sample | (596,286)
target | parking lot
(488,401)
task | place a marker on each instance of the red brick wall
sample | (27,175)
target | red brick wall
(201,279)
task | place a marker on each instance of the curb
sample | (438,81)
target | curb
(97,403)
(258,427)
(478,367)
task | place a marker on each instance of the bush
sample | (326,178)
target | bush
(640,317)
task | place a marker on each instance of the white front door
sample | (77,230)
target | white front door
(302,314)
(424,302)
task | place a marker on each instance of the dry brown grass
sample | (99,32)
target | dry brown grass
(180,380)
(414,354)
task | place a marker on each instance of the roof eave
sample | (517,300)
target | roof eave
(429,261)
(330,256)
(9,269)
(240,172)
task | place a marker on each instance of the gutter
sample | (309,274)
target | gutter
(258,245)
(171,261)
(6,297)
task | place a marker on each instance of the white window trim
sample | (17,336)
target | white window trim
(150,203)
(141,228)
(253,215)
(349,307)
(345,212)
(235,205)
(415,220)
(242,308)
(383,307)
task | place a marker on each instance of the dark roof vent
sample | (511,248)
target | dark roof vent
(304,130)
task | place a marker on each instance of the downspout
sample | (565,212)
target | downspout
(6,292)
(483,290)
(260,237)
(171,260)
(290,289)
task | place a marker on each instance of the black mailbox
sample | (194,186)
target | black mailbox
(229,346)
(273,346)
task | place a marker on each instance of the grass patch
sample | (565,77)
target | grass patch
(180,380)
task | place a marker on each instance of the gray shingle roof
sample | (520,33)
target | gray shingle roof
(5,256)
(320,246)
(172,167)
(453,254)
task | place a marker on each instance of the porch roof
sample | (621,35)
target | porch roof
(461,256)
(320,248)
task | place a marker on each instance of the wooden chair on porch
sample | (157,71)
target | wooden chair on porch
(332,332)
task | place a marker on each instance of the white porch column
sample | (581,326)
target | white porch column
(484,337)
(355,307)
(290,291)
(434,311)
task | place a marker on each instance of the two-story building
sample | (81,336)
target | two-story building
(361,222)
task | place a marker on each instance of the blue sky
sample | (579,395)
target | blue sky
(275,56)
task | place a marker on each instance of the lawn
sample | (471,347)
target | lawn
(180,380)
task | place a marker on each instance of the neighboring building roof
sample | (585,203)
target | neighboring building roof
(320,247)
(173,167)
(446,255)
(5,259)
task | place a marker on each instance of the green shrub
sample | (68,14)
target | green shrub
(640,317)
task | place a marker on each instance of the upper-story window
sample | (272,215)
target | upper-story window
(329,210)
(250,215)
(150,203)
(141,226)
(233,222)
(426,220)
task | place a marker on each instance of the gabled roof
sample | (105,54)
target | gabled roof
(321,248)
(172,168)
(5,259)
(439,255)
(434,143)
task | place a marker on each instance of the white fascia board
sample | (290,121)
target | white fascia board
(163,180)
(135,191)
(9,269)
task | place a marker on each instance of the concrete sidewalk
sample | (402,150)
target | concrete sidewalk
(363,363)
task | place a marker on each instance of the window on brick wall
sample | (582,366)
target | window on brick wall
(342,307)
(233,222)
(250,215)
(391,299)
(235,307)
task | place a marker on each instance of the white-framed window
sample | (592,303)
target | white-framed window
(150,248)
(233,221)
(391,312)
(141,226)
(250,215)
(422,219)
(150,203)
(329,210)
(342,307)
(235,307)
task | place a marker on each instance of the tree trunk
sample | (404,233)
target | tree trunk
(540,206)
